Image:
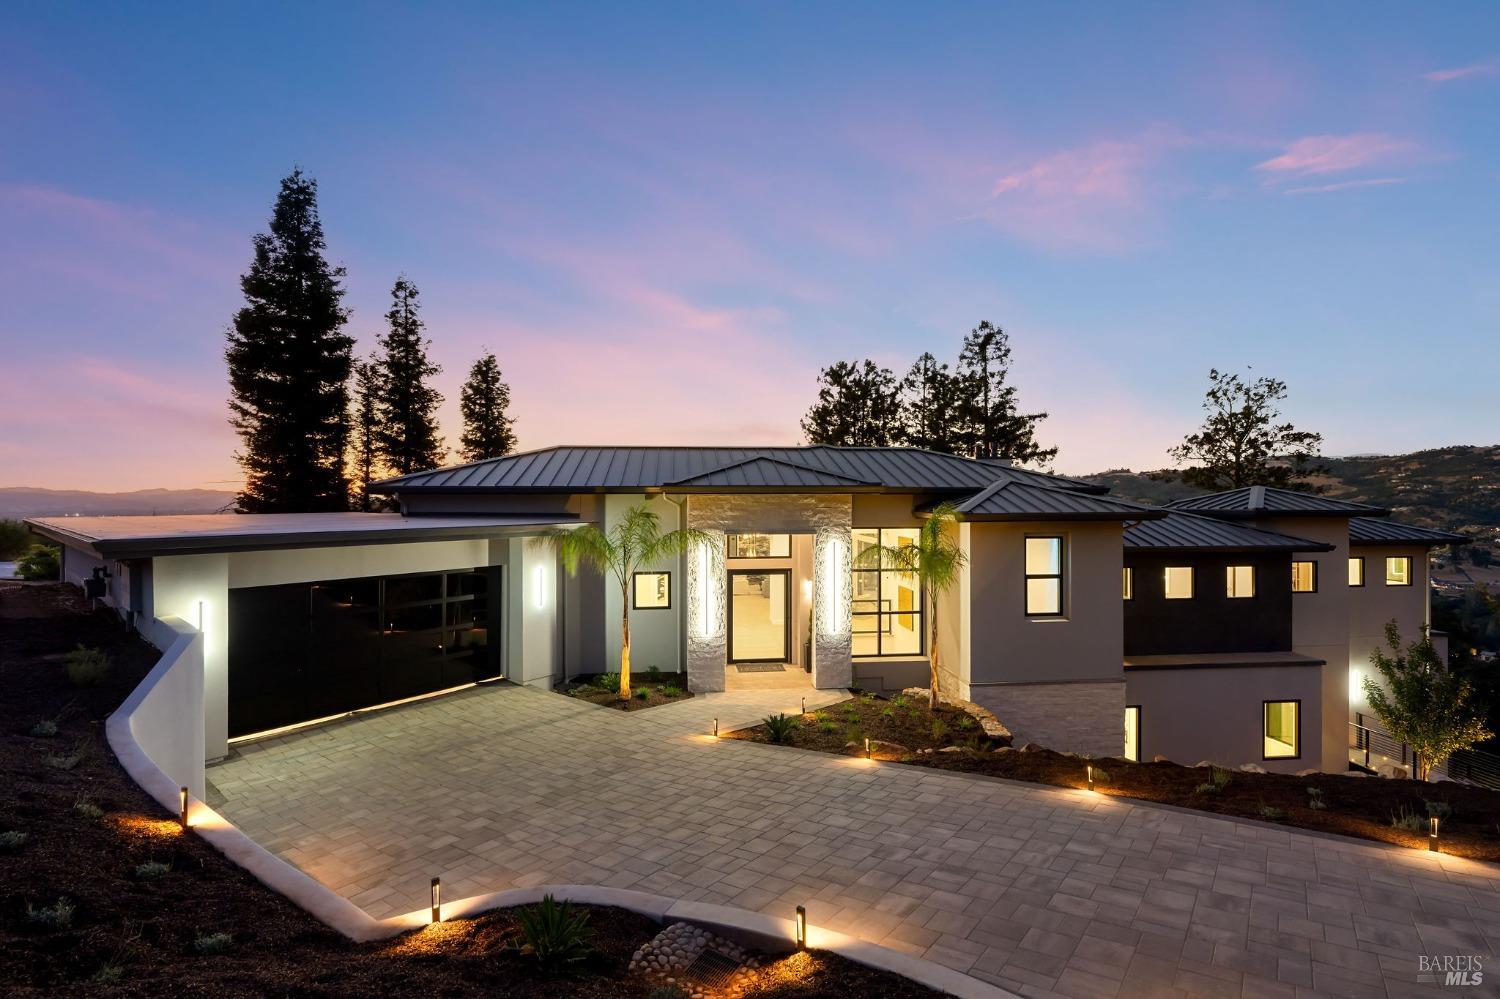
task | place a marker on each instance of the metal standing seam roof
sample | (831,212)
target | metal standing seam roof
(1179,531)
(761,472)
(1024,501)
(1264,501)
(1364,531)
(632,469)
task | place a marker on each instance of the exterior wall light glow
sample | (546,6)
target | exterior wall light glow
(801,928)
(200,616)
(437,900)
(835,576)
(538,580)
(708,587)
(1432,834)
(182,807)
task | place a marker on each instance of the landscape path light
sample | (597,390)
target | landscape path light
(437,900)
(182,806)
(1091,776)
(1432,834)
(801,928)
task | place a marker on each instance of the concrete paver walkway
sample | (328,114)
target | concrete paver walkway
(1035,889)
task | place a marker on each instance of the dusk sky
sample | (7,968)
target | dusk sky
(664,220)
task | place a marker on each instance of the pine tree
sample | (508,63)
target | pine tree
(364,425)
(406,428)
(484,401)
(993,425)
(289,363)
(1241,442)
(859,405)
(933,407)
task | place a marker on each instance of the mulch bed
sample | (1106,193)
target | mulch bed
(144,934)
(645,692)
(1355,806)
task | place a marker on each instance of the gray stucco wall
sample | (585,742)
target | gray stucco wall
(1372,605)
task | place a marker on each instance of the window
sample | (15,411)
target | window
(1179,582)
(1239,581)
(1044,577)
(1133,733)
(1129,582)
(758,546)
(1281,729)
(886,604)
(651,591)
(1357,571)
(1398,570)
(1304,577)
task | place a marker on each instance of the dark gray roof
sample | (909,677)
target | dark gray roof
(1268,501)
(1364,531)
(1179,531)
(631,469)
(1024,501)
(1048,478)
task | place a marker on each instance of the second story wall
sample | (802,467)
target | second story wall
(1377,602)
(1210,620)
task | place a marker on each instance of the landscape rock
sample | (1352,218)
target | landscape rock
(1309,772)
(1031,747)
(1252,768)
(1158,758)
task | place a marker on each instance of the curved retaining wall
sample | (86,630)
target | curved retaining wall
(157,734)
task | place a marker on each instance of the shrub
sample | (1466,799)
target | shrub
(671,690)
(1101,776)
(643,693)
(1207,788)
(1271,813)
(58,916)
(555,933)
(900,701)
(607,681)
(829,726)
(44,729)
(1409,820)
(779,728)
(64,761)
(86,667)
(40,562)
(12,840)
(15,538)
(1220,777)
(212,943)
(151,870)
(653,673)
(1315,799)
(1440,810)
(889,713)
(939,730)
(967,722)
(85,809)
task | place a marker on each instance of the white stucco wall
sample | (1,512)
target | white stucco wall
(655,635)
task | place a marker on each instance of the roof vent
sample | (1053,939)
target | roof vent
(1257,497)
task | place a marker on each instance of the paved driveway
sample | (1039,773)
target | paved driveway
(1031,888)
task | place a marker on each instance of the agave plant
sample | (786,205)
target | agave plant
(555,933)
(779,728)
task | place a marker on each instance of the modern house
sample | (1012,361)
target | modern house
(1227,627)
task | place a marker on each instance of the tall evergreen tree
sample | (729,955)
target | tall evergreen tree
(289,363)
(994,427)
(407,431)
(933,407)
(1243,442)
(484,402)
(859,405)
(364,425)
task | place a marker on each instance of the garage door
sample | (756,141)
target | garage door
(309,650)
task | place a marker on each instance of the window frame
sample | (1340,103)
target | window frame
(1297,734)
(1410,569)
(1360,559)
(1305,561)
(1192,571)
(764,534)
(635,605)
(1229,583)
(1061,575)
(1139,715)
(918,611)
(1129,583)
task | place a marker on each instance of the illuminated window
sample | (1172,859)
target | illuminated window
(758,546)
(1239,581)
(1129,582)
(1304,577)
(1281,729)
(1398,570)
(886,604)
(1357,571)
(1044,577)
(1179,582)
(651,591)
(1133,732)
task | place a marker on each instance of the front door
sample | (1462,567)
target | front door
(760,615)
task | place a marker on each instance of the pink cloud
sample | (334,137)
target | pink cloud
(1323,154)
(1345,185)
(1488,68)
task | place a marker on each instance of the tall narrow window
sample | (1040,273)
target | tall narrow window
(1357,571)
(1304,577)
(1398,570)
(1179,582)
(1239,581)
(1044,577)
(1129,583)
(1281,729)
(1133,732)
(887,605)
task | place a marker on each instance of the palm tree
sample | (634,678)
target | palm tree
(936,560)
(634,542)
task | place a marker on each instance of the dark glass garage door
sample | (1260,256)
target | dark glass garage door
(308,650)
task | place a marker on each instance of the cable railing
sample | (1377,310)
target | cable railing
(1377,752)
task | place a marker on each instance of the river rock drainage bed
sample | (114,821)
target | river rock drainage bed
(696,962)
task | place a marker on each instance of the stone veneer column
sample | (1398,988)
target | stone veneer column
(833,664)
(707,640)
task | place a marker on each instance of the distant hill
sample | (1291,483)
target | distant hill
(26,501)
(1449,488)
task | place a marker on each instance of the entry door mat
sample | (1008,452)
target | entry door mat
(761,667)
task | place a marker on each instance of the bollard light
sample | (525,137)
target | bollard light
(1432,835)
(437,900)
(716,728)
(182,806)
(804,705)
(801,925)
(1091,776)
(868,754)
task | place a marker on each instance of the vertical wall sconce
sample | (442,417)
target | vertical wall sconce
(437,900)
(538,581)
(200,616)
